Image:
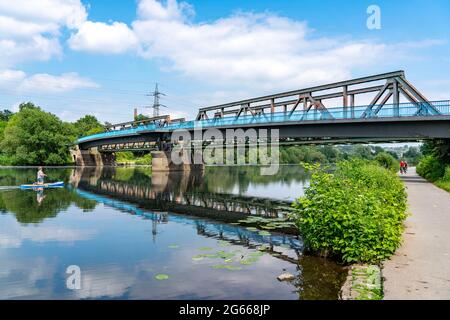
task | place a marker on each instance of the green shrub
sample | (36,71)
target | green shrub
(144,160)
(444,182)
(5,160)
(431,168)
(125,157)
(387,161)
(355,213)
(446,176)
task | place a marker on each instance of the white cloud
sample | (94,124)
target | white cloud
(173,10)
(70,13)
(30,29)
(19,82)
(16,235)
(263,50)
(63,83)
(102,37)
(246,49)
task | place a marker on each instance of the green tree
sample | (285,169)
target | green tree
(140,117)
(363,152)
(5,115)
(87,125)
(34,137)
(387,161)
(393,154)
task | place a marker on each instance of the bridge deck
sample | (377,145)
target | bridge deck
(361,114)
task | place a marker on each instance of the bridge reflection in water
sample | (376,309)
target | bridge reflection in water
(189,197)
(183,192)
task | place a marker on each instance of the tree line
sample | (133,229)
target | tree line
(35,137)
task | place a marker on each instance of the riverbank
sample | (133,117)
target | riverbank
(420,267)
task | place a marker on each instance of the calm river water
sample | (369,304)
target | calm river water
(126,229)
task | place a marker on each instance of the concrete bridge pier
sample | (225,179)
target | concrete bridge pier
(162,162)
(92,157)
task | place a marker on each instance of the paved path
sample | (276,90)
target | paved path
(420,269)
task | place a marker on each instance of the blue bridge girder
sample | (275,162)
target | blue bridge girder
(303,114)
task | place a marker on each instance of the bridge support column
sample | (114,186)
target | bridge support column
(162,162)
(92,157)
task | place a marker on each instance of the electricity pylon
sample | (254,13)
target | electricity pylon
(156,104)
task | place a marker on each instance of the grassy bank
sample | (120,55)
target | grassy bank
(354,214)
(129,158)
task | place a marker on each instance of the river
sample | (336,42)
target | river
(138,235)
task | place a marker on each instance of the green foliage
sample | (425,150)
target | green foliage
(2,129)
(140,117)
(363,152)
(33,136)
(5,115)
(144,160)
(296,154)
(87,125)
(430,168)
(412,156)
(387,161)
(128,157)
(125,157)
(355,214)
(435,165)
(444,182)
(393,154)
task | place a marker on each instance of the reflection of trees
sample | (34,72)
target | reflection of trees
(225,179)
(26,208)
(23,203)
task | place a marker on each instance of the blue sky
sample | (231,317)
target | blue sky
(101,57)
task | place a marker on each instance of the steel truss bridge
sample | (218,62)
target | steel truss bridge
(397,111)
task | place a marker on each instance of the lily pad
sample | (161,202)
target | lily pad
(198,257)
(162,276)
(219,266)
(264,233)
(224,243)
(256,254)
(233,268)
(174,246)
(252,229)
(246,262)
(205,248)
(225,255)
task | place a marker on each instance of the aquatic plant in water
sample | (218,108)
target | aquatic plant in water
(162,276)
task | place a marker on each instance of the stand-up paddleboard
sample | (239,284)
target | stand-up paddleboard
(59,184)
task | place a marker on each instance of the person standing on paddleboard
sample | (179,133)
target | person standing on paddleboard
(40,176)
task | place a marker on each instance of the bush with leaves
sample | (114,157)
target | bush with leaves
(387,161)
(355,214)
(431,168)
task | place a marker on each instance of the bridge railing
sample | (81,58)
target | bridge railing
(340,113)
